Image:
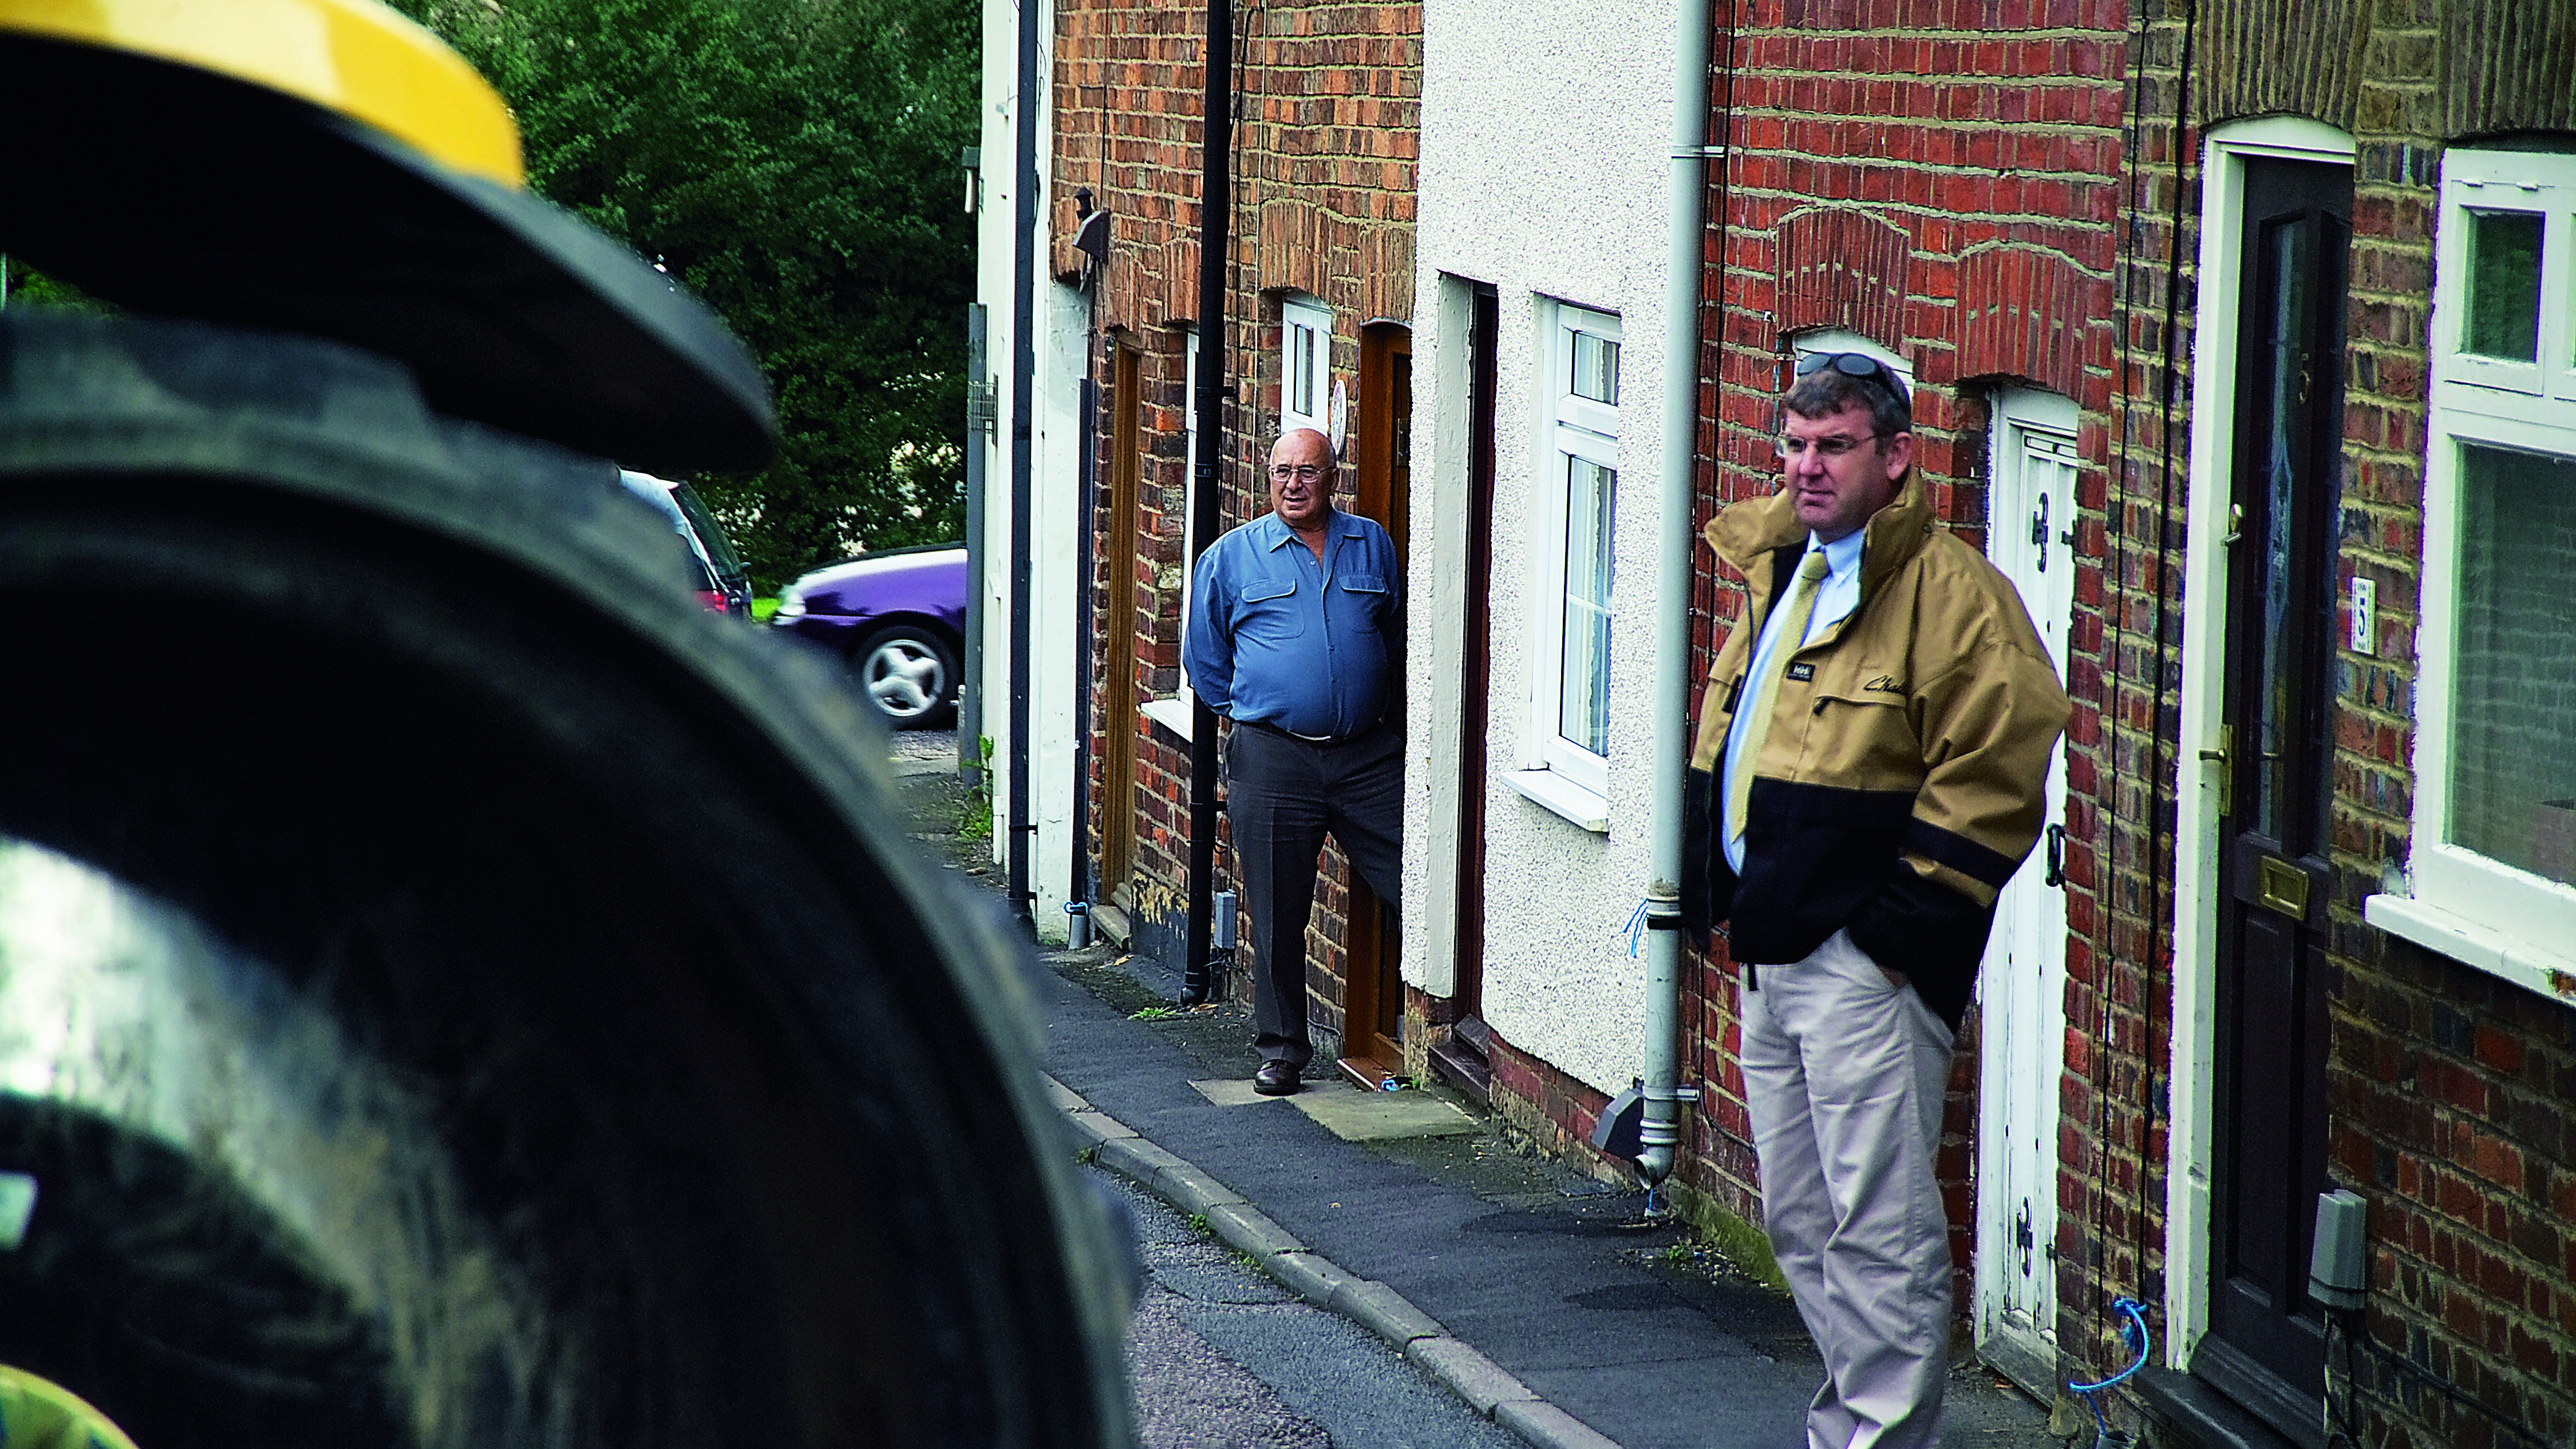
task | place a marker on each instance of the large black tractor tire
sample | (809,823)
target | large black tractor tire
(456,992)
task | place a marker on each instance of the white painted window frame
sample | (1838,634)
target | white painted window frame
(2197,852)
(1305,365)
(2474,909)
(1569,427)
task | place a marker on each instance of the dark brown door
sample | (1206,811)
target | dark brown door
(1373,999)
(2266,1345)
(1461,1055)
(1118,634)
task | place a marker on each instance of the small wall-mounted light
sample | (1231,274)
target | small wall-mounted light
(1091,235)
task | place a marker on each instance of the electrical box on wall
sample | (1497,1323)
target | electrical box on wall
(1221,910)
(2338,1272)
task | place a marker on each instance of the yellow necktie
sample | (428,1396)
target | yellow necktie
(1801,606)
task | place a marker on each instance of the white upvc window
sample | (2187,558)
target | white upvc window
(1305,366)
(2493,863)
(1578,491)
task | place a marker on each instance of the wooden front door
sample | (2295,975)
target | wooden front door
(1382,457)
(2266,1341)
(1118,628)
(2021,988)
(1462,1056)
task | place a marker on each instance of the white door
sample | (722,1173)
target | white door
(2022,989)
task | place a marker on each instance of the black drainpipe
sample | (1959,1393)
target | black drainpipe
(1018,821)
(1215,196)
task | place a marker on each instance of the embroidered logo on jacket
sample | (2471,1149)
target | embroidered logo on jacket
(1802,672)
(1884,684)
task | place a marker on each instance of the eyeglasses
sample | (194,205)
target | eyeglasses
(1302,472)
(1856,364)
(1827,448)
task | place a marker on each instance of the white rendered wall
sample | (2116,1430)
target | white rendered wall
(998,154)
(1061,323)
(1543,173)
(1055,672)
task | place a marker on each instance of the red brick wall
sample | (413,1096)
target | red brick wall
(2120,743)
(1328,97)
(1941,177)
(2449,1090)
(1556,1111)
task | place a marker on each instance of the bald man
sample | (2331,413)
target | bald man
(1294,633)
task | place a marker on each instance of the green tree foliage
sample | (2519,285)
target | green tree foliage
(795,163)
(23,284)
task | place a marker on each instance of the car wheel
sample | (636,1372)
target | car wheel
(908,674)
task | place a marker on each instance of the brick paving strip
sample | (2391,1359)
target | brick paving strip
(1474,1378)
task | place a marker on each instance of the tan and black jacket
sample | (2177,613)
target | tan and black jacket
(1900,785)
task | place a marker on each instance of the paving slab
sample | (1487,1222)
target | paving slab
(1231,1092)
(1357,1116)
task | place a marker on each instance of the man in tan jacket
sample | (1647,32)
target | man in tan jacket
(1872,750)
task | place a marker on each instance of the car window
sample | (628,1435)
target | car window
(711,534)
(659,494)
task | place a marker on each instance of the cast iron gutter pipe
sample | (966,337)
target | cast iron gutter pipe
(1216,130)
(970,689)
(1018,819)
(1659,1133)
(1091,237)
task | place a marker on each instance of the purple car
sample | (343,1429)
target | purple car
(897,617)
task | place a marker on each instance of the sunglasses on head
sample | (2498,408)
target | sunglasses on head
(1856,364)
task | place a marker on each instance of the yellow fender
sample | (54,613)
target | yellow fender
(355,57)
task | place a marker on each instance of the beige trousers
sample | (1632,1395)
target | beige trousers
(1844,1075)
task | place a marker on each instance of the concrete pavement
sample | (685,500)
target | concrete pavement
(1544,1300)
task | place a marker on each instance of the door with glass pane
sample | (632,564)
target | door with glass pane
(2266,1345)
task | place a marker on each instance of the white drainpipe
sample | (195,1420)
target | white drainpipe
(1660,1133)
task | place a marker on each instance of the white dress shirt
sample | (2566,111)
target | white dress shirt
(1836,597)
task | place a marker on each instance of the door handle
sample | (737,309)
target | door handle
(2225,755)
(2039,531)
(2056,857)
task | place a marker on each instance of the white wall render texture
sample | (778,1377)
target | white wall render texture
(1542,175)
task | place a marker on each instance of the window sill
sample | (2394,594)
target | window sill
(1552,792)
(2466,941)
(1172,714)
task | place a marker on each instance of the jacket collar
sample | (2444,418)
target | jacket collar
(1745,533)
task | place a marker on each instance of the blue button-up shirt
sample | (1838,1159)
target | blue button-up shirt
(1278,636)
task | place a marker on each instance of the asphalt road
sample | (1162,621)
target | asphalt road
(1222,1357)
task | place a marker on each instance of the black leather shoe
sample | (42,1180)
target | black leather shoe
(1274,1079)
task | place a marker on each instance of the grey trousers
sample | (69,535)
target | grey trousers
(1843,1077)
(1283,795)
